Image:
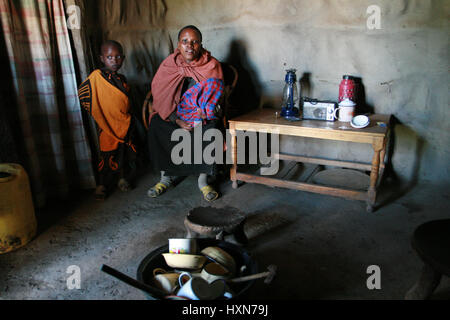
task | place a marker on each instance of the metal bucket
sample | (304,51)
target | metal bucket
(241,256)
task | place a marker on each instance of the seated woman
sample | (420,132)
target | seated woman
(186,90)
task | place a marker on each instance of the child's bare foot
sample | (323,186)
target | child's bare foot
(124,185)
(100,193)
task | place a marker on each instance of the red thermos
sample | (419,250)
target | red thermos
(347,89)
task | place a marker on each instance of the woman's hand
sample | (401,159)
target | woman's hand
(183,124)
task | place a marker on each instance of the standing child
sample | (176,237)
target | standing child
(104,94)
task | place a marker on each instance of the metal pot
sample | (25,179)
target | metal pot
(155,260)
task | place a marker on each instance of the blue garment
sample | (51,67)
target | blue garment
(200,101)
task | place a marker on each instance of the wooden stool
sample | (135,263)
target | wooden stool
(208,222)
(431,241)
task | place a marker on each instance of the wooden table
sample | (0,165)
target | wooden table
(265,120)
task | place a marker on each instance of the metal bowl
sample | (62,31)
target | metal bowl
(184,261)
(242,258)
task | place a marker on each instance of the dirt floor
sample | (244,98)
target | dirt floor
(321,245)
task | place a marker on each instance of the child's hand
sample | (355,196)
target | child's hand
(183,124)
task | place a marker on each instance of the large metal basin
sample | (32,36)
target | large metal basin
(155,260)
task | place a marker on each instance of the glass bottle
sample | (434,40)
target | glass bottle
(290,104)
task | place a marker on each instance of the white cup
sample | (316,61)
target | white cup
(194,289)
(346,111)
(168,282)
(214,271)
(197,288)
(181,277)
(183,246)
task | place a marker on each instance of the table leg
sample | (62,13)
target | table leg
(382,164)
(372,193)
(233,170)
(381,170)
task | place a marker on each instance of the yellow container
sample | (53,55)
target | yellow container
(17,219)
